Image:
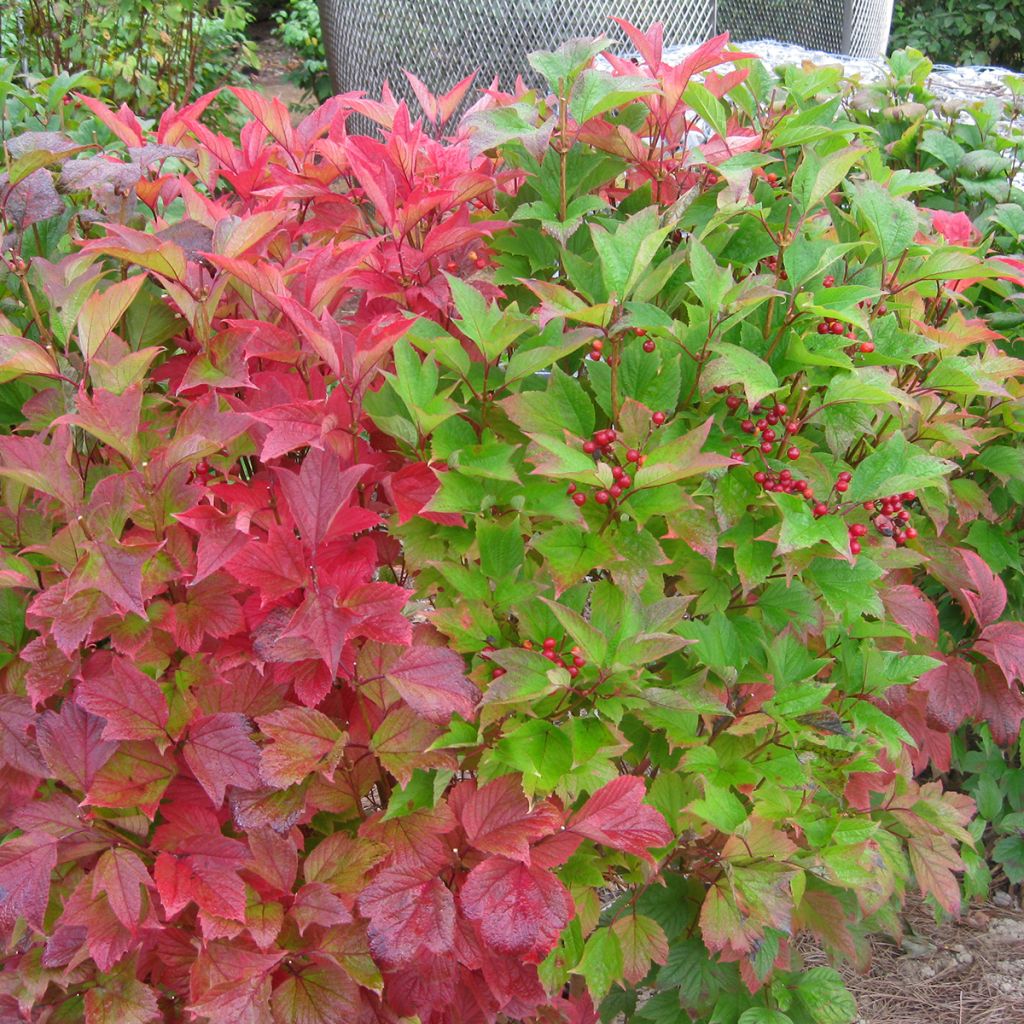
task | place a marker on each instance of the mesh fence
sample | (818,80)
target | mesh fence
(442,41)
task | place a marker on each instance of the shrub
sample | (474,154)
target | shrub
(987,32)
(148,55)
(298,26)
(477,578)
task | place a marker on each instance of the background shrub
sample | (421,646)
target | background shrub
(984,32)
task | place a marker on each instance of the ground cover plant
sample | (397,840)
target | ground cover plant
(486,572)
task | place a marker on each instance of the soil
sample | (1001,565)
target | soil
(968,971)
(276,60)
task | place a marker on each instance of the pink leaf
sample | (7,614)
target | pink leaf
(432,681)
(616,816)
(221,753)
(133,705)
(1003,642)
(952,693)
(909,608)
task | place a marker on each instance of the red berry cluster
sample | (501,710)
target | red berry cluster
(892,517)
(603,443)
(769,176)
(481,260)
(772,263)
(766,424)
(597,345)
(572,661)
(784,483)
(204,471)
(830,326)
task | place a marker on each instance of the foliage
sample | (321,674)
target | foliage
(148,55)
(298,26)
(422,539)
(984,32)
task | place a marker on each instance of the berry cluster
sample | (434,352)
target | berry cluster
(480,260)
(771,263)
(765,425)
(785,483)
(603,443)
(892,517)
(572,661)
(769,176)
(597,346)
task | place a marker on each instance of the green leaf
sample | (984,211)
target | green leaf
(825,997)
(801,530)
(541,751)
(849,590)
(597,92)
(565,63)
(895,466)
(737,365)
(893,222)
(762,1015)
(501,550)
(601,965)
(817,176)
(563,407)
(626,254)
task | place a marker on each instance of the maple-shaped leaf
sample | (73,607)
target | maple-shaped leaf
(71,741)
(274,858)
(133,705)
(229,982)
(952,693)
(402,742)
(292,425)
(116,571)
(319,993)
(410,910)
(220,539)
(315,904)
(497,818)
(221,753)
(318,492)
(17,748)
(135,775)
(642,941)
(1003,643)
(121,876)
(275,568)
(1001,704)
(318,628)
(521,909)
(412,488)
(42,467)
(414,839)
(934,863)
(209,609)
(342,863)
(304,741)
(203,869)
(26,863)
(264,919)
(432,681)
(616,816)
(986,594)
(111,418)
(908,607)
(121,998)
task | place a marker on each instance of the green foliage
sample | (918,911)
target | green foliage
(298,26)
(147,55)
(982,32)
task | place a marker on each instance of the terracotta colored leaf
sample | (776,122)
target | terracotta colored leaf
(909,608)
(136,775)
(274,858)
(986,596)
(133,705)
(304,741)
(521,910)
(1001,704)
(616,816)
(318,492)
(209,610)
(410,911)
(121,876)
(17,748)
(221,753)
(275,568)
(71,741)
(952,693)
(432,681)
(1003,642)
(203,870)
(498,819)
(642,941)
(102,310)
(315,904)
(121,999)
(321,993)
(26,863)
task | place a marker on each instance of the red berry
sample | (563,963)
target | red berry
(842,486)
(617,472)
(766,447)
(649,346)
(903,515)
(882,309)
(909,496)
(720,389)
(854,547)
(768,434)
(792,427)
(497,673)
(820,509)
(595,355)
(571,489)
(869,506)
(845,475)
(760,477)
(771,419)
(823,327)
(573,672)
(658,418)
(602,497)
(828,281)
(793,454)
(549,642)
(615,490)
(451,266)
(858,530)
(597,344)
(747,426)
(590,447)
(734,402)
(837,327)
(578,662)
(202,467)
(604,437)
(625,481)
(910,533)
(866,347)
(580,498)
(633,455)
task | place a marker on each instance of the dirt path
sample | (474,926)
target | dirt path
(276,61)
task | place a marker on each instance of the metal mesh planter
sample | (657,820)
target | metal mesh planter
(442,41)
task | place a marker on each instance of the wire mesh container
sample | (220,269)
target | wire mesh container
(369,42)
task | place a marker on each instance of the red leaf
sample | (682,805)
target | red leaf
(26,863)
(432,681)
(203,870)
(1003,642)
(616,816)
(909,608)
(295,425)
(17,749)
(1001,704)
(320,993)
(305,741)
(221,753)
(72,742)
(121,876)
(114,570)
(318,492)
(275,568)
(497,817)
(952,693)
(274,858)
(315,904)
(135,776)
(521,910)
(219,539)
(133,705)
(209,609)
(412,489)
(988,599)
(410,911)
(121,999)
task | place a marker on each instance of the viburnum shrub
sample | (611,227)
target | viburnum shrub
(489,578)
